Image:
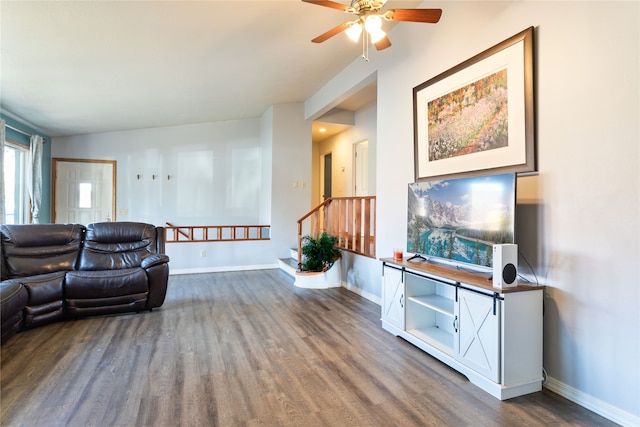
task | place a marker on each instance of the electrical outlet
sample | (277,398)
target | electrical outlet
(203,253)
(123,211)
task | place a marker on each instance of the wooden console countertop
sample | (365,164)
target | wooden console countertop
(458,275)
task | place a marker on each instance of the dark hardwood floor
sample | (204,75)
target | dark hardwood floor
(247,349)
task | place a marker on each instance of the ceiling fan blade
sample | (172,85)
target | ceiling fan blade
(328,3)
(383,43)
(414,15)
(332,32)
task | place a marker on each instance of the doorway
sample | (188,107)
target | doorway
(84,191)
(325,179)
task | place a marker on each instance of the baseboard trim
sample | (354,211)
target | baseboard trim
(604,409)
(364,294)
(199,270)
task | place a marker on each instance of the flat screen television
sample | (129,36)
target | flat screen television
(459,220)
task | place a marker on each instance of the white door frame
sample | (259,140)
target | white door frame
(88,162)
(361,168)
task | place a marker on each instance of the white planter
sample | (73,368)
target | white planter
(321,280)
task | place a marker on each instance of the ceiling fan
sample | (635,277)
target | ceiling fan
(369,18)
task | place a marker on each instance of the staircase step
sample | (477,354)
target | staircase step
(288,265)
(290,261)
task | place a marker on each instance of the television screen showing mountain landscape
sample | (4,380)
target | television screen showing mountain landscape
(461,219)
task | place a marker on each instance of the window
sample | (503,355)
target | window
(16,195)
(84,199)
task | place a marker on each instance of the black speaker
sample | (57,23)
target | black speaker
(505,266)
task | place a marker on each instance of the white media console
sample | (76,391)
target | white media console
(492,336)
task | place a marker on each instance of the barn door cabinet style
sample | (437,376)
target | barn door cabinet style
(492,336)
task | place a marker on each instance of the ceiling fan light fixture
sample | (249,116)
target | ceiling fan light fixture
(369,18)
(376,35)
(354,31)
(373,23)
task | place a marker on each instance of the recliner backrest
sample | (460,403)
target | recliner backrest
(117,245)
(32,249)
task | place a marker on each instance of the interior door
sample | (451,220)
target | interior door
(84,191)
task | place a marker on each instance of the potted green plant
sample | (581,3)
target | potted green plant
(319,253)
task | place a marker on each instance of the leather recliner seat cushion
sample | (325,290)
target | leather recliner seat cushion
(45,303)
(90,293)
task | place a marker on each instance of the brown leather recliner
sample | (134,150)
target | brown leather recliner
(119,270)
(69,271)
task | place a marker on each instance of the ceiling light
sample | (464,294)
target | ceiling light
(373,23)
(369,21)
(376,35)
(354,31)
(322,130)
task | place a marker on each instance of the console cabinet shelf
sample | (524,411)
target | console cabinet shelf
(434,302)
(492,336)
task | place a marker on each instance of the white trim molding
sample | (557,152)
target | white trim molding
(179,271)
(364,294)
(604,409)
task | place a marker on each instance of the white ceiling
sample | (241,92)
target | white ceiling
(78,67)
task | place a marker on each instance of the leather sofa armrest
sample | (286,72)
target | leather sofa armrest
(160,239)
(154,259)
(13,298)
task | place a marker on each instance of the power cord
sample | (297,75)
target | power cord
(530,268)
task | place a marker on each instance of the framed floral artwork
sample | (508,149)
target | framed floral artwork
(479,115)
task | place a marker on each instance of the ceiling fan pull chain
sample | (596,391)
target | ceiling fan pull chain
(365,46)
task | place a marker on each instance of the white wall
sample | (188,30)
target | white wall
(291,178)
(220,174)
(213,169)
(581,212)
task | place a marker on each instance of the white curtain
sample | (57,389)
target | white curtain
(3,218)
(35,179)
